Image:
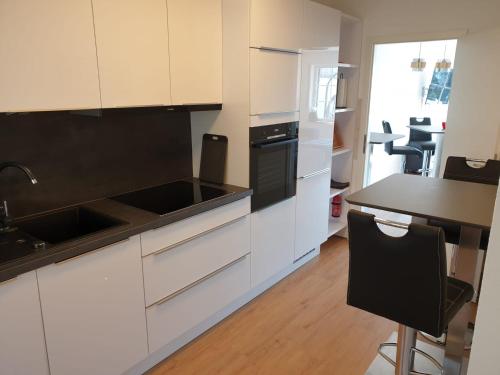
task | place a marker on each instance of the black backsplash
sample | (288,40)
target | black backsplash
(87,155)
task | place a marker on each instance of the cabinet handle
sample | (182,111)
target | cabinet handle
(197,282)
(282,50)
(182,242)
(8,280)
(90,252)
(314,174)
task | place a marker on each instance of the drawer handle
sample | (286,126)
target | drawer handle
(205,278)
(314,174)
(90,252)
(170,247)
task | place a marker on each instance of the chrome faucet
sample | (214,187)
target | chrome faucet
(5,219)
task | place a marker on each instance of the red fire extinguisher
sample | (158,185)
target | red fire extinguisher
(337,206)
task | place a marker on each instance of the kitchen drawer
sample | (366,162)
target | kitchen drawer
(168,271)
(274,81)
(170,235)
(169,319)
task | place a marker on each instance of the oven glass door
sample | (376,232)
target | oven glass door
(273,172)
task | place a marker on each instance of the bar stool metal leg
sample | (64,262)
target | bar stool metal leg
(407,339)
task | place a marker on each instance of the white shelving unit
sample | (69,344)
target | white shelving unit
(335,192)
(341,151)
(335,225)
(343,110)
(346,122)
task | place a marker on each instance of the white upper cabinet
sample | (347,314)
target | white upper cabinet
(93,311)
(274,81)
(321,27)
(47,55)
(276,24)
(132,48)
(22,343)
(195,39)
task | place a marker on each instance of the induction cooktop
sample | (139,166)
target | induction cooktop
(171,197)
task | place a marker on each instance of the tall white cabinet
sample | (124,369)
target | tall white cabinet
(48,55)
(195,42)
(21,328)
(132,49)
(93,311)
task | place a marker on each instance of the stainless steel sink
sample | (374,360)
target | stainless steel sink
(66,225)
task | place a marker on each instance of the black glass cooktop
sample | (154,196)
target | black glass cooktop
(171,197)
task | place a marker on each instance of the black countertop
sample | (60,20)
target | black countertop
(137,221)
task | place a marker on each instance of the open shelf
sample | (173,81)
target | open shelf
(342,110)
(335,225)
(334,192)
(341,151)
(346,65)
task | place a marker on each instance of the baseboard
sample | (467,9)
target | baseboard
(158,356)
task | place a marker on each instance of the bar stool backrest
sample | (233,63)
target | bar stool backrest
(388,146)
(415,135)
(400,278)
(458,169)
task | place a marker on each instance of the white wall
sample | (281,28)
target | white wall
(233,120)
(474,112)
(484,355)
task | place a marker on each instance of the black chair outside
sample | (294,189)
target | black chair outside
(458,169)
(403,279)
(399,150)
(422,141)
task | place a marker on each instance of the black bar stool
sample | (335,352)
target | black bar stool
(399,150)
(422,141)
(403,279)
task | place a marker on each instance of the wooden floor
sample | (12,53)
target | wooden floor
(300,326)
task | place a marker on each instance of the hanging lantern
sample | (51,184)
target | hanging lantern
(443,65)
(419,64)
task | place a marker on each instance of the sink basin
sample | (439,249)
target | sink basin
(66,225)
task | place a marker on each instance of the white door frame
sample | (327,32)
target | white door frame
(366,75)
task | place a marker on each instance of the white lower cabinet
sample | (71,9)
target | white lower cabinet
(172,269)
(22,345)
(313,192)
(272,240)
(93,311)
(169,319)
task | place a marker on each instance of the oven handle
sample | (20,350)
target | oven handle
(273,144)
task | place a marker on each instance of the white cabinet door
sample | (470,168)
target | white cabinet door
(272,240)
(132,46)
(171,318)
(22,344)
(321,28)
(317,110)
(276,24)
(48,56)
(195,38)
(93,311)
(274,81)
(313,205)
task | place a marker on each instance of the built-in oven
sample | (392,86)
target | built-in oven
(273,163)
